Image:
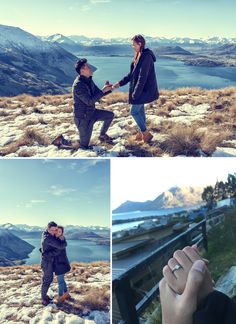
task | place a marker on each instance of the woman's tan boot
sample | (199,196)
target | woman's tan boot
(59,300)
(147,136)
(139,137)
(66,296)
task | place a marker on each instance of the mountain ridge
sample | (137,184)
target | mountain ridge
(172,198)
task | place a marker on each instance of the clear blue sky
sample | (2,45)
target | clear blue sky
(73,192)
(111,18)
(147,178)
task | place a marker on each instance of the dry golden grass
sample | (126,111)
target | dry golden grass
(53,111)
(116,97)
(86,295)
(212,139)
(182,141)
(29,138)
(95,298)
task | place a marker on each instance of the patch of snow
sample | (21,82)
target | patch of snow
(224,152)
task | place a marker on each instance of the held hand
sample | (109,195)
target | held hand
(177,279)
(116,85)
(107,88)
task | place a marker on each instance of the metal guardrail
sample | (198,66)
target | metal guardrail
(126,307)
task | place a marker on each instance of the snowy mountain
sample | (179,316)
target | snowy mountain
(64,42)
(174,197)
(59,38)
(30,65)
(86,41)
(72,232)
(12,247)
(82,46)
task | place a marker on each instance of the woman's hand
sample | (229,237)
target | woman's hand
(179,309)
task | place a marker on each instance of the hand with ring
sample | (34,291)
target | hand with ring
(186,283)
(176,272)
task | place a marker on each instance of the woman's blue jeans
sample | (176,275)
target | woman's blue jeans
(62,287)
(138,113)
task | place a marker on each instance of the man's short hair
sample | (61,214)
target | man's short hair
(52,224)
(79,64)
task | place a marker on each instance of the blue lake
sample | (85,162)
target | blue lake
(158,213)
(137,214)
(77,250)
(171,74)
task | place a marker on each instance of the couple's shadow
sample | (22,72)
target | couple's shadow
(70,307)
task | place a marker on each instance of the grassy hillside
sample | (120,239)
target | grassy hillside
(88,283)
(186,121)
(222,248)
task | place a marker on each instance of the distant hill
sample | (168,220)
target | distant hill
(171,50)
(12,247)
(29,65)
(174,197)
(228,49)
(76,235)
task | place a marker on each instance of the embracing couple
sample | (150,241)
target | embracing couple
(54,260)
(142,89)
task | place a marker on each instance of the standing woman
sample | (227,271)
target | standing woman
(143,85)
(61,267)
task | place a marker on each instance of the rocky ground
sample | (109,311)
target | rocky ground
(89,286)
(184,122)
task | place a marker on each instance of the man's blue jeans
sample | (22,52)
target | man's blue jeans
(138,113)
(61,284)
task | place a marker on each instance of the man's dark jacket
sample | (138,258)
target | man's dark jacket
(50,246)
(142,77)
(85,94)
(217,308)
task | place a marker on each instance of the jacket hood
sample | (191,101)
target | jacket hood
(147,51)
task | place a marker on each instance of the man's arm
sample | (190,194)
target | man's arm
(57,244)
(217,308)
(97,90)
(82,93)
(142,78)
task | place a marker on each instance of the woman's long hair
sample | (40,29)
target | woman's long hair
(61,228)
(138,39)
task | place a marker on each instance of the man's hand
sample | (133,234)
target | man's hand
(179,309)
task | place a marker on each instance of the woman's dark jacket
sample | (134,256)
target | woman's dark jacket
(142,77)
(216,309)
(61,263)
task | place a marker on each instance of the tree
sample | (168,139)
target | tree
(209,197)
(231,185)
